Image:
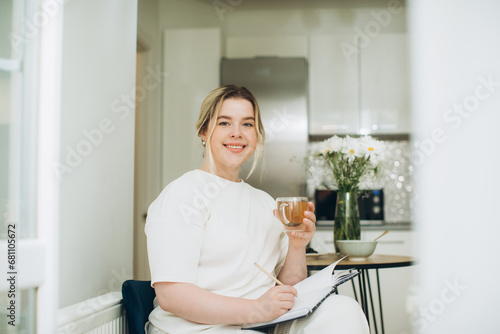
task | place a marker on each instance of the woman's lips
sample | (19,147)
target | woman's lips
(235,148)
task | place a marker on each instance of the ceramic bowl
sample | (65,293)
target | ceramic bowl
(357,249)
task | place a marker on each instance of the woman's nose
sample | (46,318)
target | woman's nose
(235,133)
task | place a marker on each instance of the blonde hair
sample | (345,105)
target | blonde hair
(210,109)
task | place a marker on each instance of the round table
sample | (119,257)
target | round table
(376,262)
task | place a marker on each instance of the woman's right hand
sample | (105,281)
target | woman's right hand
(275,302)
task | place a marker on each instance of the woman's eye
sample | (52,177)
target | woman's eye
(248,124)
(224,123)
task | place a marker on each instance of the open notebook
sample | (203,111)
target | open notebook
(311,292)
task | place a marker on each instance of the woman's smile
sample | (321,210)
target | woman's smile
(235,148)
(234,138)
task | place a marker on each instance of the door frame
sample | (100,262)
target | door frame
(147,169)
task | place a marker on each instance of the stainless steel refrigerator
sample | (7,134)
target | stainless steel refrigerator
(280,86)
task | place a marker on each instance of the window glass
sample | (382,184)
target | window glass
(18,146)
(6,12)
(22,312)
(17,121)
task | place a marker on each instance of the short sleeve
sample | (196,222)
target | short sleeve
(175,231)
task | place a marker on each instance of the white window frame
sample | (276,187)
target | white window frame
(37,258)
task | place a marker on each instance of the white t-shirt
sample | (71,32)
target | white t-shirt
(209,231)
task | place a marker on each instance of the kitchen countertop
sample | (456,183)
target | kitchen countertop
(403,226)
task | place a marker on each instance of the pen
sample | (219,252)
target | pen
(268,274)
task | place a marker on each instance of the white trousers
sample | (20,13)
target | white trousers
(336,315)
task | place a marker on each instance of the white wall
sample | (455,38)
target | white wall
(98,76)
(456,117)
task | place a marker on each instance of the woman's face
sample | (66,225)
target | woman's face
(234,139)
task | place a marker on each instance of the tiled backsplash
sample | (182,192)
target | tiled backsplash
(395,178)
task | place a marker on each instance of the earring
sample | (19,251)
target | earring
(203,143)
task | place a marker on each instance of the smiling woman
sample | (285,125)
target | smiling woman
(231,116)
(233,140)
(222,226)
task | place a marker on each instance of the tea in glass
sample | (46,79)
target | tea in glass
(290,211)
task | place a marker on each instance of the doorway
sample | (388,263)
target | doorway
(147,151)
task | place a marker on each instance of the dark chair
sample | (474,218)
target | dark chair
(138,299)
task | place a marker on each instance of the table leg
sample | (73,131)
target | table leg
(354,288)
(371,301)
(362,302)
(362,292)
(380,303)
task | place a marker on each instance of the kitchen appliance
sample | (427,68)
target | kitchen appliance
(280,87)
(370,204)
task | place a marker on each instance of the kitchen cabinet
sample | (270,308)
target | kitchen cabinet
(265,46)
(191,58)
(384,98)
(396,284)
(333,87)
(366,92)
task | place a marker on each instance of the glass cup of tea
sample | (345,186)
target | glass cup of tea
(290,211)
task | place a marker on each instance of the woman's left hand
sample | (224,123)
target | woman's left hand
(295,268)
(299,239)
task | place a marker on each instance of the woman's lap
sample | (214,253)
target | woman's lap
(336,315)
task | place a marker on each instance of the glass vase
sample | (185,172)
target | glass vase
(346,225)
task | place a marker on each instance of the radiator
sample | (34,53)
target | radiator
(101,315)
